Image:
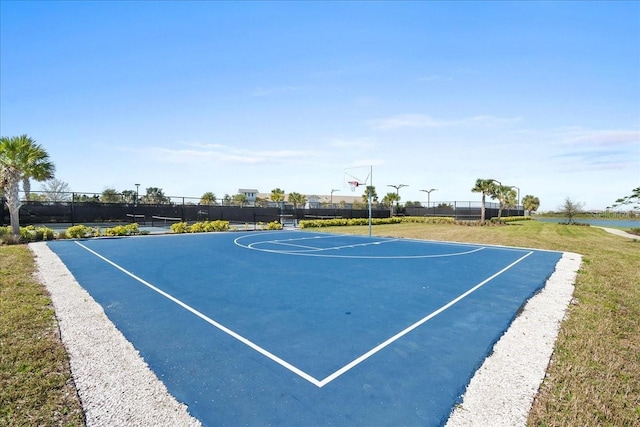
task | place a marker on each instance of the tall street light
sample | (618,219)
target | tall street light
(333,191)
(518,200)
(429,195)
(397,187)
(135,203)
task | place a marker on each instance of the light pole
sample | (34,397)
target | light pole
(333,191)
(518,199)
(429,195)
(397,187)
(135,203)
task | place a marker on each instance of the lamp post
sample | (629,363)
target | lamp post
(397,187)
(333,191)
(429,195)
(518,199)
(135,202)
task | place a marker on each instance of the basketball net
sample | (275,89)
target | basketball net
(353,185)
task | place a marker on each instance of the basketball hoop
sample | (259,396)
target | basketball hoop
(353,185)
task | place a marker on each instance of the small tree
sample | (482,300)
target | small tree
(155,196)
(530,203)
(56,191)
(570,209)
(129,196)
(110,195)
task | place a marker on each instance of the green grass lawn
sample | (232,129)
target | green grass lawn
(592,380)
(36,388)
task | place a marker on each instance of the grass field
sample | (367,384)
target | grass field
(36,388)
(592,380)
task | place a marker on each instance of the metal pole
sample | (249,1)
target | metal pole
(370,195)
(429,197)
(332,191)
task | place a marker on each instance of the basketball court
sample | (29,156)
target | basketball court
(301,328)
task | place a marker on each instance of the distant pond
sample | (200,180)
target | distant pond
(615,223)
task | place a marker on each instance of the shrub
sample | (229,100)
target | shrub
(32,233)
(123,230)
(219,225)
(428,219)
(200,227)
(274,225)
(79,231)
(336,222)
(516,218)
(180,227)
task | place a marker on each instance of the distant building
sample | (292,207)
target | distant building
(250,194)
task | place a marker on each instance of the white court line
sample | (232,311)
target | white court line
(211,321)
(420,322)
(287,365)
(313,248)
(316,252)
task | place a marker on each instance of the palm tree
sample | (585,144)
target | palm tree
(389,199)
(208,198)
(487,188)
(277,195)
(530,203)
(505,195)
(34,155)
(297,199)
(240,199)
(20,158)
(370,190)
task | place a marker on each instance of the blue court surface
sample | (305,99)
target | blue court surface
(299,328)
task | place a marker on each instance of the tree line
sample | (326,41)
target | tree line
(23,160)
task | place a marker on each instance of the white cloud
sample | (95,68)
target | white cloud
(590,150)
(580,136)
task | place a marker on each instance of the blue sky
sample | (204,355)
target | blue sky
(205,96)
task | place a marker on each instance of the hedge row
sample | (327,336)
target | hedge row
(515,218)
(212,226)
(31,233)
(336,222)
(200,227)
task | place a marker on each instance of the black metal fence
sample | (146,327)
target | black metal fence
(182,209)
(464,211)
(87,213)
